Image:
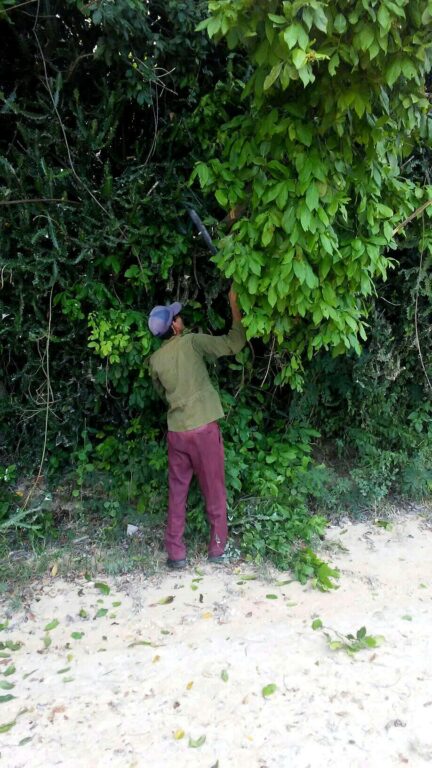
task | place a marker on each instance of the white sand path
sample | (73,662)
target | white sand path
(119,705)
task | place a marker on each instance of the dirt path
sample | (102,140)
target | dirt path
(144,673)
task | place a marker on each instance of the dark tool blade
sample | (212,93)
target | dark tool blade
(202,231)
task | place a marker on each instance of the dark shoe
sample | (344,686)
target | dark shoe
(218,559)
(176,565)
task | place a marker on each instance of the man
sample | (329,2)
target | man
(195,444)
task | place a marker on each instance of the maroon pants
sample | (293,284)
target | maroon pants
(198,451)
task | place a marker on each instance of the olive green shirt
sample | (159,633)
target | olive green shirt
(180,375)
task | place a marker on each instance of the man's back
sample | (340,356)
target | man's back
(180,373)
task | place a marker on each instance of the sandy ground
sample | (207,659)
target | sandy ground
(147,680)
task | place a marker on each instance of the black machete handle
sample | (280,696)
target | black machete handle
(202,231)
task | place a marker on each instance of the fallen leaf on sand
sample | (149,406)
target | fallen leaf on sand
(197,742)
(178,734)
(104,588)
(52,625)
(54,569)
(163,601)
(189,685)
(7,726)
(207,615)
(268,690)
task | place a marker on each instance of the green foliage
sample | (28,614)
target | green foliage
(349,643)
(335,101)
(307,566)
(7,496)
(322,156)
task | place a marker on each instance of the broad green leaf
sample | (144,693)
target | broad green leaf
(224,675)
(197,742)
(7,697)
(340,23)
(9,670)
(52,625)
(272,296)
(5,685)
(320,19)
(104,588)
(290,36)
(269,689)
(101,612)
(312,197)
(317,624)
(7,726)
(383,17)
(77,635)
(299,58)
(221,197)
(299,270)
(271,597)
(4,625)
(272,76)
(165,600)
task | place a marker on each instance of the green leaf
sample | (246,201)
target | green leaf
(196,743)
(393,71)
(104,588)
(312,197)
(7,726)
(10,670)
(361,633)
(407,617)
(365,38)
(383,17)
(269,689)
(52,625)
(299,58)
(101,612)
(296,34)
(271,597)
(5,685)
(4,625)
(340,23)
(272,76)
(320,19)
(224,675)
(165,600)
(299,270)
(272,296)
(317,624)
(221,197)
(77,635)
(6,698)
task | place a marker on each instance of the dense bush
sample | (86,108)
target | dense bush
(110,111)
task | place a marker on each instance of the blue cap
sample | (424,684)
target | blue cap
(160,318)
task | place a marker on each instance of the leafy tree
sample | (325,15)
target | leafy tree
(334,104)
